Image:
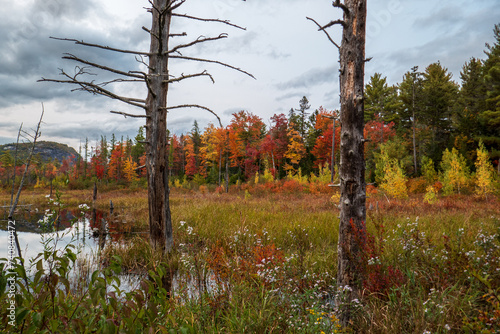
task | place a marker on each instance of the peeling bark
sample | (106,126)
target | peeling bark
(156,129)
(352,163)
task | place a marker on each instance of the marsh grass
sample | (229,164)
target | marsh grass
(257,262)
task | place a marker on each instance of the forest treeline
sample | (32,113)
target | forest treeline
(410,127)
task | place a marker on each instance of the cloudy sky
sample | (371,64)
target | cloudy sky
(283,50)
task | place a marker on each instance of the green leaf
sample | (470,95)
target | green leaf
(22,313)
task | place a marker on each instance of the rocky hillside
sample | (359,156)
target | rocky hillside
(45,150)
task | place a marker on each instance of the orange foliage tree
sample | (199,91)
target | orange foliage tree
(116,161)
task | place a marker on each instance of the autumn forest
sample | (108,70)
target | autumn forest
(380,217)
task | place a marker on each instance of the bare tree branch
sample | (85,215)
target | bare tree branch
(340,5)
(200,39)
(196,106)
(178,35)
(175,5)
(332,23)
(21,184)
(128,115)
(327,35)
(105,83)
(69,56)
(209,20)
(96,89)
(214,62)
(15,165)
(151,33)
(101,46)
(140,59)
(182,77)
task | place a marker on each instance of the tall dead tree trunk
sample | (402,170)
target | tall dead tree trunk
(352,163)
(155,106)
(160,227)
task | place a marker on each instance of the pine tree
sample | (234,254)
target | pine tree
(439,95)
(471,99)
(138,148)
(490,117)
(380,99)
(410,109)
(302,123)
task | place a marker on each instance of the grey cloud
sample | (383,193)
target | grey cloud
(287,96)
(443,17)
(451,48)
(313,77)
(28,57)
(231,111)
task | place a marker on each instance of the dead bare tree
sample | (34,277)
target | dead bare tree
(155,107)
(15,200)
(352,164)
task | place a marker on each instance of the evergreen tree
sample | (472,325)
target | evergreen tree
(410,109)
(196,142)
(302,121)
(439,95)
(138,147)
(490,117)
(471,99)
(380,99)
(112,144)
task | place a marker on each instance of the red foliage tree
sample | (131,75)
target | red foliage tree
(246,132)
(275,144)
(116,162)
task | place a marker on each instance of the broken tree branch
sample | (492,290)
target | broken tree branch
(69,56)
(101,46)
(96,89)
(178,35)
(128,115)
(340,5)
(209,20)
(196,106)
(182,77)
(327,35)
(175,5)
(214,62)
(200,39)
(332,23)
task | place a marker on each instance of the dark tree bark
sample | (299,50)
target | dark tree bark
(352,163)
(352,227)
(160,226)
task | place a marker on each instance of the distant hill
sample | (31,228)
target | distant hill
(46,150)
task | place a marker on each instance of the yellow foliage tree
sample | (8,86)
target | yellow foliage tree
(394,181)
(296,149)
(130,170)
(455,173)
(484,172)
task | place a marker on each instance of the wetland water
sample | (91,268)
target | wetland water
(81,233)
(31,233)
